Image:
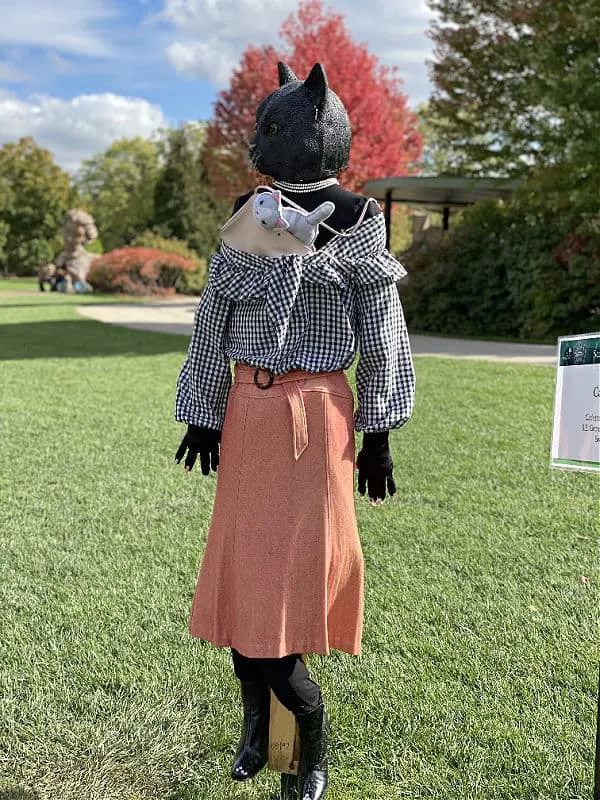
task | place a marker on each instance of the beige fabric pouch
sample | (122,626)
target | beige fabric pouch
(243,233)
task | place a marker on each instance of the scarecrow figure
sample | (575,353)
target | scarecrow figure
(282,572)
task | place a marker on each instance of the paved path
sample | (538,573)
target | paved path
(177,316)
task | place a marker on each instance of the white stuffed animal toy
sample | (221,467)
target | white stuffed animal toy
(304,225)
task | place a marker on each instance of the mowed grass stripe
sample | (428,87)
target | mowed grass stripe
(478,674)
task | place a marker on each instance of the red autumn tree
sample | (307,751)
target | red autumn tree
(385,137)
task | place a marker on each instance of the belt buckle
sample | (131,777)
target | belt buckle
(263,385)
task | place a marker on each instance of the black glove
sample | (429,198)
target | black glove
(203,441)
(375,466)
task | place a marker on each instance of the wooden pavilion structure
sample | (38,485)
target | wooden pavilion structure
(442,195)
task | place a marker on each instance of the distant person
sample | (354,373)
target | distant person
(61,280)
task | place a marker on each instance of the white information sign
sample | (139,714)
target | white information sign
(576,434)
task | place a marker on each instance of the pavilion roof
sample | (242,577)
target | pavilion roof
(435,194)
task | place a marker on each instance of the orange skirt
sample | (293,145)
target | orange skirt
(283,568)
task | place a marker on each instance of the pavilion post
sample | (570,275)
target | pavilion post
(446,218)
(387,210)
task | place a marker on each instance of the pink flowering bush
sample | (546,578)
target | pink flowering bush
(140,271)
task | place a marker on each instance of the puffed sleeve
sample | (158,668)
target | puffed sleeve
(205,378)
(385,378)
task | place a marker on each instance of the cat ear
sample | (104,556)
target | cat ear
(316,85)
(277,197)
(285,74)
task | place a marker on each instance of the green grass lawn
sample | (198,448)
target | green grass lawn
(478,676)
(18,284)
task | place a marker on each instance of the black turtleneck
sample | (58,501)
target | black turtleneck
(348,207)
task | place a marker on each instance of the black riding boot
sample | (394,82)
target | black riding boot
(313,776)
(252,754)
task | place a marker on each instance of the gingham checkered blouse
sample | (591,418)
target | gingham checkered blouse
(311,312)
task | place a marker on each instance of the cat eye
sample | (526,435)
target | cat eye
(273,128)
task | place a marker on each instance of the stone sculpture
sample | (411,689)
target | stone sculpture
(71,268)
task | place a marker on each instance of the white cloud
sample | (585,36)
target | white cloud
(10,74)
(206,59)
(211,35)
(76,129)
(395,34)
(68,27)
(241,19)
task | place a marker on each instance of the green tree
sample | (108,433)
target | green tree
(184,206)
(35,193)
(442,154)
(6,206)
(118,188)
(517,84)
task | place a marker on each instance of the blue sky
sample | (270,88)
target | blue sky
(78,75)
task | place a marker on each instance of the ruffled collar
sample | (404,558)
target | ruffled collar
(358,257)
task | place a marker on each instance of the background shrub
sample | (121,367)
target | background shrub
(519,271)
(139,271)
(154,241)
(95,246)
(192,281)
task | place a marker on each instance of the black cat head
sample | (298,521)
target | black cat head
(302,129)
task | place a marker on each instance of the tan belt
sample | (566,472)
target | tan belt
(292,386)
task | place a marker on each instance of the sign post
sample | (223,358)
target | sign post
(576,436)
(597,758)
(576,433)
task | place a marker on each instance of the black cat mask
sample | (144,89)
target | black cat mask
(302,129)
